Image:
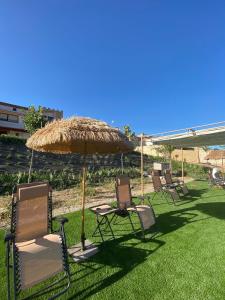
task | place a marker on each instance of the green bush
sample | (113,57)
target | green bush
(192,170)
(7,139)
(60,180)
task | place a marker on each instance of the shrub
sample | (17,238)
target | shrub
(192,170)
(60,180)
(7,139)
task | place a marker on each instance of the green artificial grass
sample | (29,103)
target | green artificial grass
(185,259)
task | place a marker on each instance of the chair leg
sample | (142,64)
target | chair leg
(132,225)
(149,202)
(14,272)
(116,217)
(155,193)
(98,228)
(109,225)
(8,270)
(165,196)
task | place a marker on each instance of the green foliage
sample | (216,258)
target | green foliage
(128,132)
(11,140)
(166,150)
(34,119)
(60,180)
(107,174)
(9,156)
(192,170)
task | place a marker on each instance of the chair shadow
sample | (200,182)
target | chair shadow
(192,196)
(173,220)
(116,256)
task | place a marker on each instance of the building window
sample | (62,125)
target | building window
(13,118)
(50,118)
(9,118)
(3,117)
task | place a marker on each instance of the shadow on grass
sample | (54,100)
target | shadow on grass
(213,209)
(173,220)
(121,259)
(194,194)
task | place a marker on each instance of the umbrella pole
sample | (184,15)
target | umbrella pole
(142,169)
(83,207)
(122,166)
(182,166)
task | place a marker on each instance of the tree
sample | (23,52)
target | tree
(33,120)
(167,150)
(128,132)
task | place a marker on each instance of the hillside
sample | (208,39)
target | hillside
(15,157)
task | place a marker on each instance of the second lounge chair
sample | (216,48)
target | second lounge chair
(126,205)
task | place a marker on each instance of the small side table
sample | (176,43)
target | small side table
(104,216)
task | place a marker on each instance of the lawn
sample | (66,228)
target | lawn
(185,260)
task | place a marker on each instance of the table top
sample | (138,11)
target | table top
(103,209)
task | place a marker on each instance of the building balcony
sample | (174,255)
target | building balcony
(12,125)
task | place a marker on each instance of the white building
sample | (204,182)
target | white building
(11,118)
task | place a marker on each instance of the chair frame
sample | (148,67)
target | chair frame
(163,189)
(12,255)
(170,183)
(103,220)
(126,212)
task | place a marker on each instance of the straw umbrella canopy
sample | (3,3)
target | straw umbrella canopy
(79,135)
(216,155)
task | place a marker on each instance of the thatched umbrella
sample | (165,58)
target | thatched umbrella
(79,135)
(216,155)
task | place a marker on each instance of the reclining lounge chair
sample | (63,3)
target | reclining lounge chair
(126,205)
(34,252)
(164,189)
(179,185)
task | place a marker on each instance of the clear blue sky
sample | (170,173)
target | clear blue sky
(155,65)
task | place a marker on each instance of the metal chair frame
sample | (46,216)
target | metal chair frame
(103,222)
(12,255)
(163,189)
(126,212)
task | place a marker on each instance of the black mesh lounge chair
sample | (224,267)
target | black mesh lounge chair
(34,252)
(177,184)
(126,206)
(164,189)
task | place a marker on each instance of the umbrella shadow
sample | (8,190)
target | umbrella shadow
(213,209)
(119,259)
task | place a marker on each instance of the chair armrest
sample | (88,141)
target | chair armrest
(9,237)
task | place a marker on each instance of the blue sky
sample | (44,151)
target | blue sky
(155,65)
